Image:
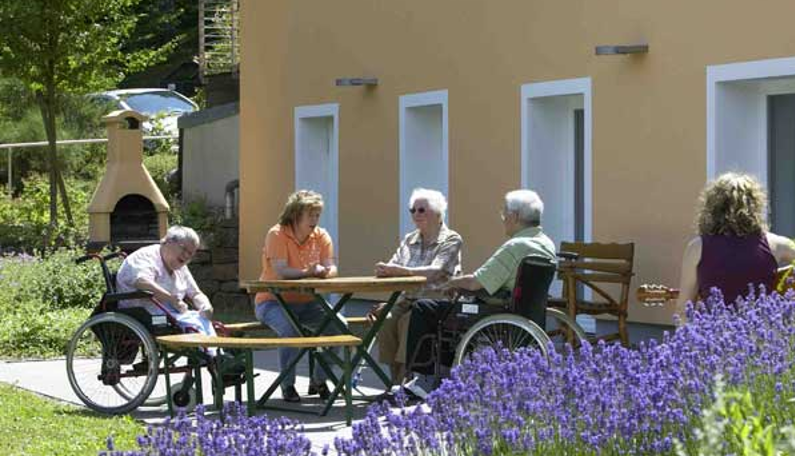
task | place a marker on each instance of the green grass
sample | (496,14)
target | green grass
(32,425)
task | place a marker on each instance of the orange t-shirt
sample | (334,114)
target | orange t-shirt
(281,244)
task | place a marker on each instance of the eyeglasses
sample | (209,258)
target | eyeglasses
(419,210)
(185,250)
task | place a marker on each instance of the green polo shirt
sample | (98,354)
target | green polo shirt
(499,271)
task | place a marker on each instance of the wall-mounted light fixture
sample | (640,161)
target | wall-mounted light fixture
(345,82)
(622,49)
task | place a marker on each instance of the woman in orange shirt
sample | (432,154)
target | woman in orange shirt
(296,248)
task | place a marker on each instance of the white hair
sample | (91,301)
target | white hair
(526,204)
(436,200)
(179,234)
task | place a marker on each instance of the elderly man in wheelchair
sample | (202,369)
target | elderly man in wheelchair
(501,304)
(113,362)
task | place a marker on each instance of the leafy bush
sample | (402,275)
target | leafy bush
(602,400)
(25,219)
(42,302)
(159,167)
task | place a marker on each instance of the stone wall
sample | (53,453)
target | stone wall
(215,268)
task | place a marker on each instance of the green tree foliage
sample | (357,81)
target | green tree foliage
(68,46)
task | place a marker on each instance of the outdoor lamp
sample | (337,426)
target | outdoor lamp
(622,49)
(346,82)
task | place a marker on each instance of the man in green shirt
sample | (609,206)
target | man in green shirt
(521,219)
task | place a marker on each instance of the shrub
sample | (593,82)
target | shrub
(237,435)
(159,167)
(42,302)
(603,400)
(608,400)
(25,219)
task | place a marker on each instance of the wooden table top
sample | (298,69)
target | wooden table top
(338,284)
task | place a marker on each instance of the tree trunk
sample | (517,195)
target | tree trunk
(52,159)
(56,177)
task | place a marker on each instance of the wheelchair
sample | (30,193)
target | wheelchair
(112,360)
(515,320)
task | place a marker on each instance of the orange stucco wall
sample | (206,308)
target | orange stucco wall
(649,111)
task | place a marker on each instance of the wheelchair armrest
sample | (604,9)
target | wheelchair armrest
(139,294)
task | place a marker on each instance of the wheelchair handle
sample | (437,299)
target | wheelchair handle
(113,255)
(90,256)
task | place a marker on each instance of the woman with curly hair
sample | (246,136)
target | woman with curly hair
(734,249)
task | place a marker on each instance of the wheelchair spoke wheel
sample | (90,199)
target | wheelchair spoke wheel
(158,395)
(562,329)
(112,363)
(506,331)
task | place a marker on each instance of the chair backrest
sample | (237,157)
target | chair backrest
(530,293)
(600,264)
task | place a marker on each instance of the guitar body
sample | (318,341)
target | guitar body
(652,295)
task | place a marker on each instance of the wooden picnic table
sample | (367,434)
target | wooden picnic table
(346,287)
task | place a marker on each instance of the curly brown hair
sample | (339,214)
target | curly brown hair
(732,205)
(297,203)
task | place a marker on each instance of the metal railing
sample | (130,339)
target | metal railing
(64,142)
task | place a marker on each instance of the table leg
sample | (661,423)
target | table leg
(218,397)
(369,337)
(348,386)
(169,397)
(199,388)
(250,381)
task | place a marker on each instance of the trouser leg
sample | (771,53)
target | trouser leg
(271,314)
(424,320)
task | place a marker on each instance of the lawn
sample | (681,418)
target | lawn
(32,425)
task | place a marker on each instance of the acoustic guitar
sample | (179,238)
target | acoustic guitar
(653,295)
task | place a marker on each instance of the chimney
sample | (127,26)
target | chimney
(127,206)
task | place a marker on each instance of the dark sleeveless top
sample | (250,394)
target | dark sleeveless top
(730,263)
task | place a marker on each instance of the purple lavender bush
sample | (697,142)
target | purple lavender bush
(600,400)
(238,435)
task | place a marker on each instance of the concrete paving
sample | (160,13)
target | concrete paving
(48,378)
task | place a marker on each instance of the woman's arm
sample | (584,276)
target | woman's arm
(395,270)
(160,293)
(782,247)
(688,283)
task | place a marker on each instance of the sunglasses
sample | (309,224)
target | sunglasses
(419,210)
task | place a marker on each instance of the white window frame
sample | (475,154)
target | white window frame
(415,100)
(563,87)
(314,111)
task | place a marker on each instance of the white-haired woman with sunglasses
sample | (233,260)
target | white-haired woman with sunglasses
(431,250)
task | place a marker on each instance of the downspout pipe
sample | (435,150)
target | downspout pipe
(229,198)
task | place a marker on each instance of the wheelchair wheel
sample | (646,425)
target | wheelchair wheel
(158,396)
(506,330)
(108,354)
(561,321)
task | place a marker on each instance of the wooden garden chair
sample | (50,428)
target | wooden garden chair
(605,269)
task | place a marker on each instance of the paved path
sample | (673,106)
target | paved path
(48,378)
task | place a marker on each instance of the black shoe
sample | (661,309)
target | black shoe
(388,397)
(320,389)
(289,394)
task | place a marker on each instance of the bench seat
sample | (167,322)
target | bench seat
(194,340)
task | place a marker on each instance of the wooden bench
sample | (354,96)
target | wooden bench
(246,346)
(251,326)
